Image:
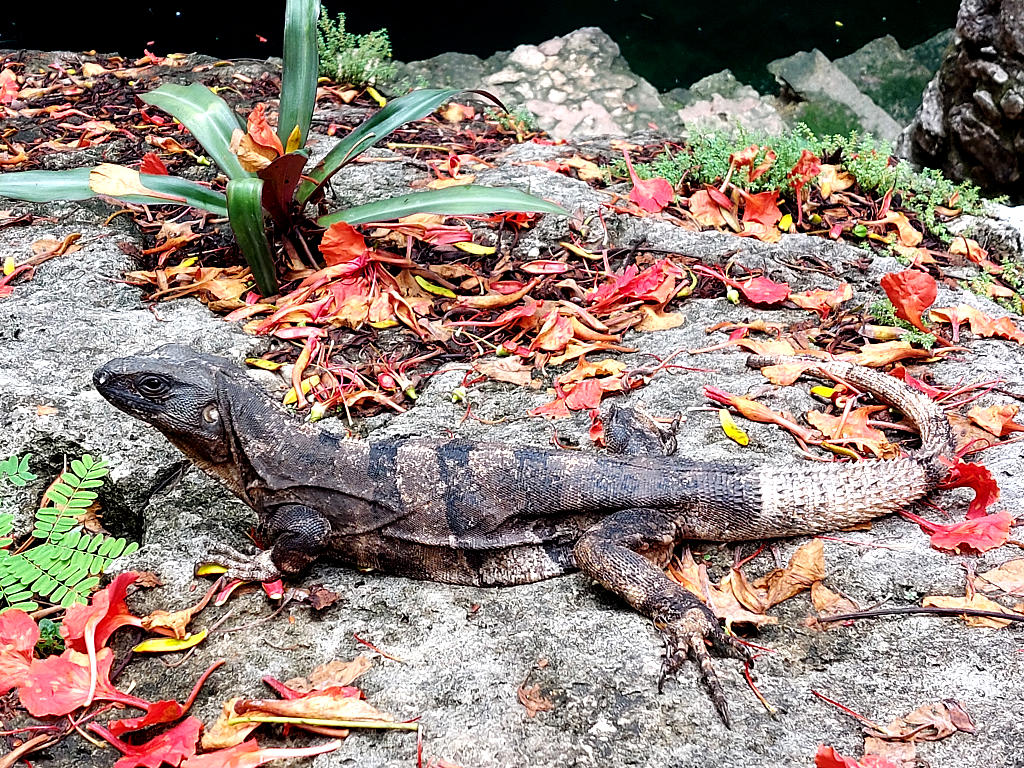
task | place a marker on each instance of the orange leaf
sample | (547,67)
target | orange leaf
(259,129)
(981,323)
(997,419)
(822,301)
(342,244)
(706,211)
(555,332)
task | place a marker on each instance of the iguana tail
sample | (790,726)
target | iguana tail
(821,497)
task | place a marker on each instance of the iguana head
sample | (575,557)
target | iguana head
(178,391)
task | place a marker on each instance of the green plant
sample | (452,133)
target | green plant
(358,60)
(61,563)
(884,313)
(266,172)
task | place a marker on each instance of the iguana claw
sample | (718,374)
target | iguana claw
(258,567)
(689,635)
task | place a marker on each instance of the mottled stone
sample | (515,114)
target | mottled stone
(969,123)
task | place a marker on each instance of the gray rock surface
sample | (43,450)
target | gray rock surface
(890,76)
(720,102)
(575,85)
(465,652)
(831,101)
(971,122)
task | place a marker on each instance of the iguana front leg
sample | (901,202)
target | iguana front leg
(299,534)
(628,551)
(625,553)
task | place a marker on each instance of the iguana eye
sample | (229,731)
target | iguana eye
(151,386)
(210,414)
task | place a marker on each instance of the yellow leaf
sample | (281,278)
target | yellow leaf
(118,181)
(476,249)
(259,362)
(437,290)
(169,644)
(373,94)
(581,251)
(290,398)
(731,428)
(786,222)
(293,140)
(210,569)
(8,265)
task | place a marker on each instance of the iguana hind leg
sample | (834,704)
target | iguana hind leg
(299,535)
(625,553)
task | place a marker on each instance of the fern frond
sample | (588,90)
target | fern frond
(12,590)
(71,495)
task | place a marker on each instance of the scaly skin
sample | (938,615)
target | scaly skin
(489,514)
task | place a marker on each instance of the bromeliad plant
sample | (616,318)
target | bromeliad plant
(266,170)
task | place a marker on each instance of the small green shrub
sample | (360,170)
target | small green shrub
(358,60)
(884,313)
(63,565)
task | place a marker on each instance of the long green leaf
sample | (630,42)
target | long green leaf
(453,200)
(245,211)
(195,194)
(45,186)
(301,67)
(207,117)
(397,113)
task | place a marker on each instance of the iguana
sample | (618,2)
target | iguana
(491,514)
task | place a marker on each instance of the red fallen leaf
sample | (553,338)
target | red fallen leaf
(981,323)
(769,160)
(762,208)
(555,332)
(18,637)
(900,373)
(762,290)
(997,419)
(806,168)
(744,157)
(342,244)
(585,395)
(827,757)
(977,476)
(556,409)
(759,290)
(822,301)
(151,163)
(93,624)
(596,431)
(911,293)
(260,131)
(249,755)
(541,267)
(8,86)
(162,711)
(651,195)
(170,747)
(657,283)
(58,685)
(980,534)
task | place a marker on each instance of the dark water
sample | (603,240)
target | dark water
(670,43)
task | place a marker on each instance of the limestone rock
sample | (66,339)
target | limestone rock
(831,102)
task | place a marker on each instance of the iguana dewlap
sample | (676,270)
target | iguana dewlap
(492,514)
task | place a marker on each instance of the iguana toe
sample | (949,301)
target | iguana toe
(688,636)
(258,567)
